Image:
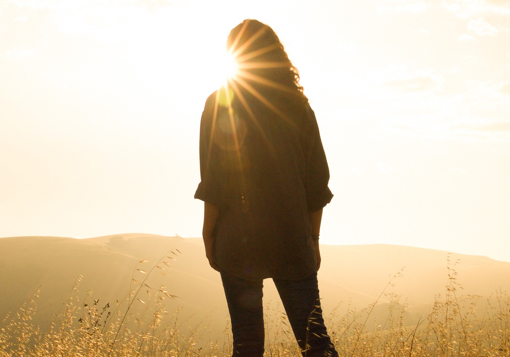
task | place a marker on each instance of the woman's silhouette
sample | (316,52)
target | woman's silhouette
(264,183)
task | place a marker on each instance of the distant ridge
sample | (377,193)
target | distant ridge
(350,276)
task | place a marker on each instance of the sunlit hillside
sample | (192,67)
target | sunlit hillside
(350,275)
(375,285)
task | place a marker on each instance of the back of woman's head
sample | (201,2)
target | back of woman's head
(262,61)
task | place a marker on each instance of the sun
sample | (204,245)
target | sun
(230,66)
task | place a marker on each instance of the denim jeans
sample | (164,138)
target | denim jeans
(300,299)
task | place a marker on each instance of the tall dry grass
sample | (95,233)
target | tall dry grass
(141,325)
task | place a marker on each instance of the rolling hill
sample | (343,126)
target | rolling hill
(351,277)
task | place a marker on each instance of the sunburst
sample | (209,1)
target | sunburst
(230,66)
(239,77)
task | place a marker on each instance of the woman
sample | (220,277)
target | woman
(264,182)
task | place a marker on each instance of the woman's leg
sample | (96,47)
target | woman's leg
(244,299)
(302,304)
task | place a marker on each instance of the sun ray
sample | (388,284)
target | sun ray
(261,97)
(264,81)
(213,129)
(255,53)
(236,142)
(246,106)
(237,39)
(248,42)
(261,65)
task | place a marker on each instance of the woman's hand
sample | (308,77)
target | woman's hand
(317,253)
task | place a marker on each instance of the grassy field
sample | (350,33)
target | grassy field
(142,325)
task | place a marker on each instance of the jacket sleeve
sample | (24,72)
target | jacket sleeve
(210,188)
(318,193)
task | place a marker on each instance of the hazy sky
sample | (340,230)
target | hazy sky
(100,104)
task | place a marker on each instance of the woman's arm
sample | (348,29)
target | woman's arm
(210,217)
(316,218)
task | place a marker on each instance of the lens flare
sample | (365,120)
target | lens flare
(230,66)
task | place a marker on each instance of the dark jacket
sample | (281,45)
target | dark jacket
(266,170)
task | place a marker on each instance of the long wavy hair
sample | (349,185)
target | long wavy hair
(263,62)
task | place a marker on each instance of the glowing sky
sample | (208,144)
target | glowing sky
(100,104)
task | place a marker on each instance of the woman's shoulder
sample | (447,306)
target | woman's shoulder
(211,99)
(304,115)
(221,94)
(221,97)
(210,104)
